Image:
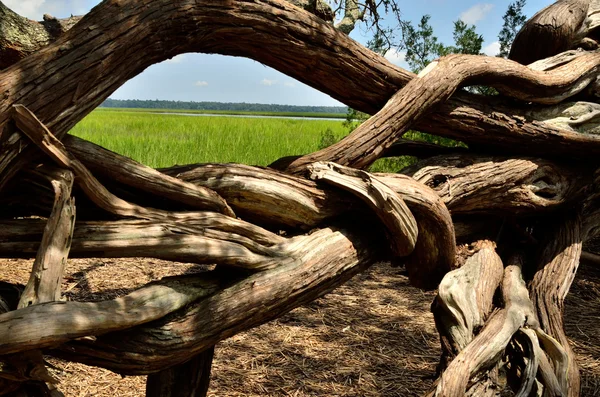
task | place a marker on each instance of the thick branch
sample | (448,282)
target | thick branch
(48,267)
(438,82)
(45,140)
(554,29)
(329,258)
(389,207)
(557,268)
(362,79)
(469,184)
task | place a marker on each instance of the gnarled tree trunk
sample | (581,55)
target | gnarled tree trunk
(531,156)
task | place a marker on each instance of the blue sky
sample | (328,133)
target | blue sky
(201,77)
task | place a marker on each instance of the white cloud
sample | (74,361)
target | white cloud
(289,84)
(201,83)
(394,56)
(476,13)
(492,49)
(176,59)
(268,82)
(31,9)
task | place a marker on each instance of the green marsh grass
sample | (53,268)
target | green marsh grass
(163,140)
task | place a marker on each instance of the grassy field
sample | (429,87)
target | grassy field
(163,140)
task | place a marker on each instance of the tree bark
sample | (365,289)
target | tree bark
(190,379)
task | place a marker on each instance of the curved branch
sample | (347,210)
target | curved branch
(329,257)
(554,29)
(248,28)
(469,183)
(389,207)
(440,80)
(557,268)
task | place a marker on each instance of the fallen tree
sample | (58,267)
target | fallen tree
(507,216)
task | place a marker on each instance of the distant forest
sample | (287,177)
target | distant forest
(237,107)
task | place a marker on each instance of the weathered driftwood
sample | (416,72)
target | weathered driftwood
(53,323)
(367,83)
(143,178)
(201,237)
(557,267)
(166,326)
(435,85)
(560,26)
(483,351)
(329,258)
(41,136)
(400,224)
(469,184)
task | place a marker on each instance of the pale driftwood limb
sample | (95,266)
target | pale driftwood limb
(43,138)
(188,379)
(580,117)
(122,169)
(363,80)
(271,197)
(329,258)
(45,281)
(464,299)
(557,268)
(48,267)
(494,184)
(435,251)
(389,207)
(201,237)
(488,346)
(53,323)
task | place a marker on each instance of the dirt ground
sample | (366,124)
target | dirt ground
(373,336)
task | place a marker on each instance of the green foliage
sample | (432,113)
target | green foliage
(466,40)
(420,44)
(513,21)
(354,118)
(327,138)
(162,140)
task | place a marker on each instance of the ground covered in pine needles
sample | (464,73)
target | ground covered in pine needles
(373,336)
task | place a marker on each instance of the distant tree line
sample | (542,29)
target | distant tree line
(227,106)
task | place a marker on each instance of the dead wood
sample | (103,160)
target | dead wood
(328,258)
(389,207)
(164,327)
(470,184)
(48,267)
(201,237)
(435,85)
(559,27)
(366,83)
(557,267)
(464,299)
(122,169)
(41,136)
